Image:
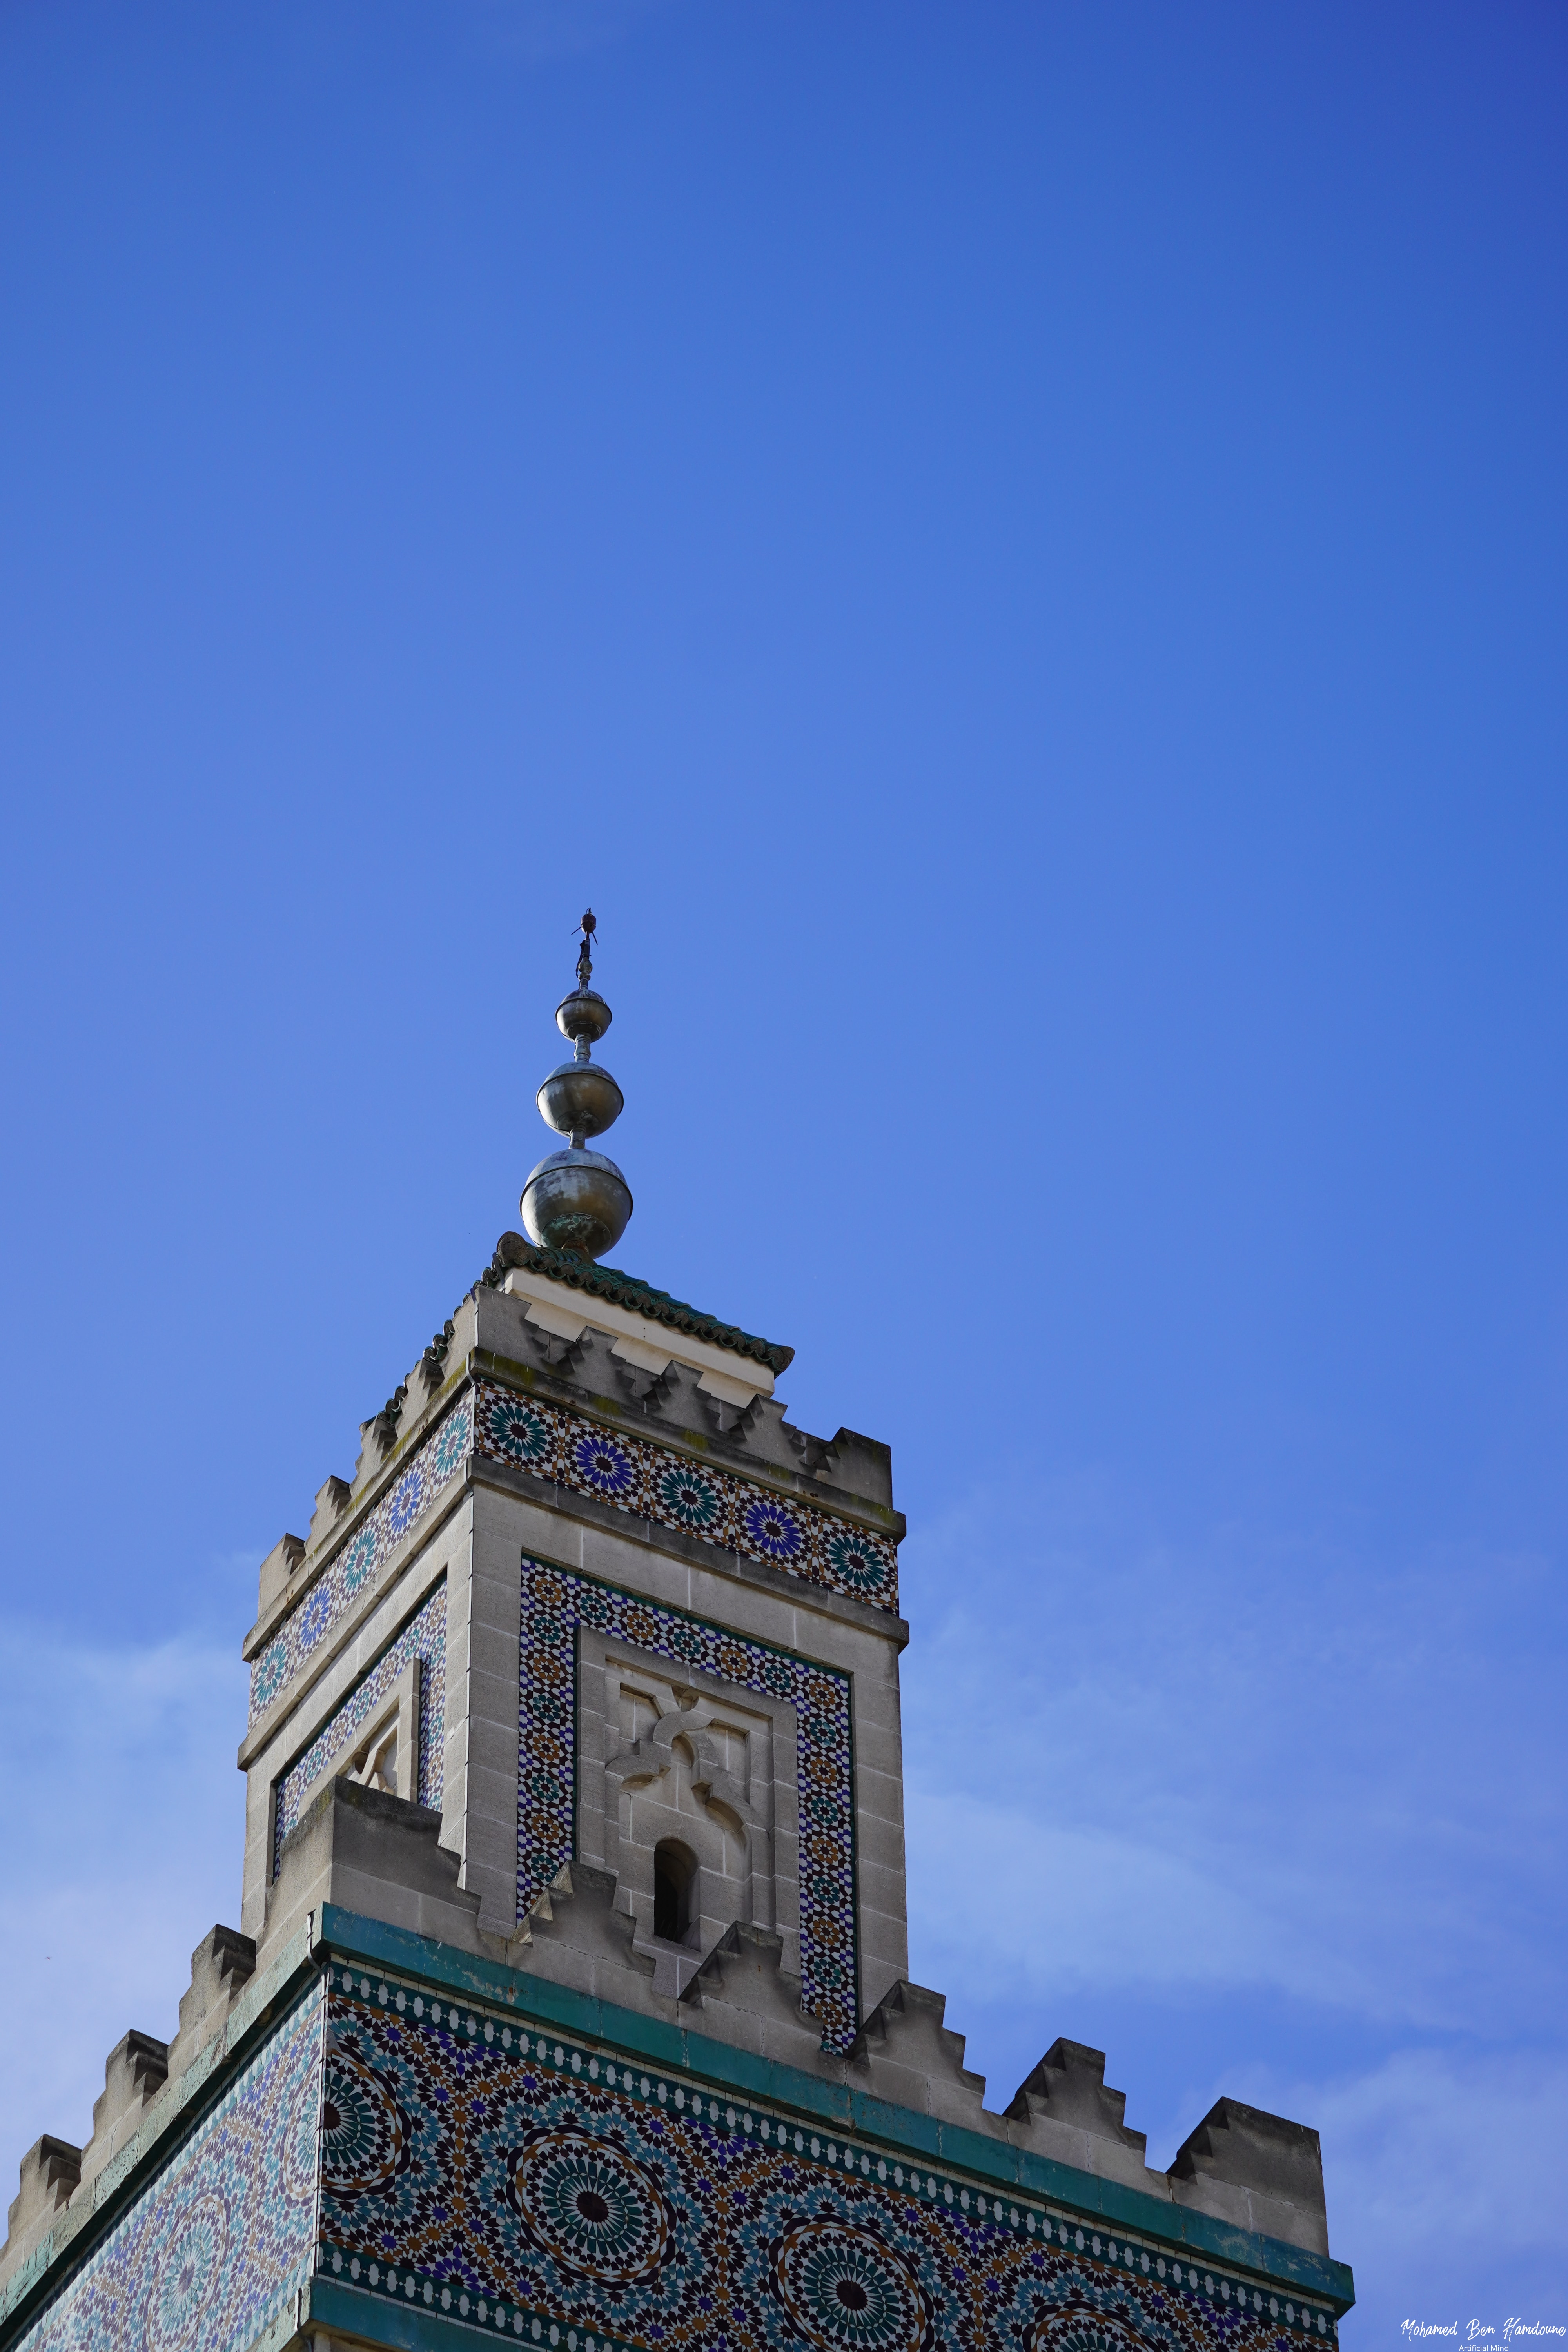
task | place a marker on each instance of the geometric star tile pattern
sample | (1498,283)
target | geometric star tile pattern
(555,1602)
(524,2184)
(424,1638)
(450,2159)
(213,2247)
(429,1470)
(701,1499)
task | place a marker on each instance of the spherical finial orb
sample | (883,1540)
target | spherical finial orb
(584,1013)
(580,1098)
(576,1201)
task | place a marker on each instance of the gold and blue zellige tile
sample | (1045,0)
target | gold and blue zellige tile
(701,1499)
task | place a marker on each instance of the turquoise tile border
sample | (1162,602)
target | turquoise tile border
(842,2108)
(379,2319)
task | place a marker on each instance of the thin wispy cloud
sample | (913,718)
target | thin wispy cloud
(125,1821)
(1208,1782)
(1246,1763)
(1446,2169)
(1436,2146)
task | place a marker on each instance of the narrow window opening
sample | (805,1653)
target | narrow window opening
(674,1888)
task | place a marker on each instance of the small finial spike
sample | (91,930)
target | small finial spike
(584,960)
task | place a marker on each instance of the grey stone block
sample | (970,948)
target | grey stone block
(1071,2115)
(331,1501)
(134,2075)
(576,1935)
(884,1957)
(744,1973)
(880,1856)
(542,1535)
(50,2173)
(875,1707)
(456,1650)
(495,1603)
(491,1791)
(221,1966)
(51,2170)
(880,1750)
(276,1569)
(134,2072)
(373,1853)
(492,1715)
(862,1465)
(1259,2170)
(906,2053)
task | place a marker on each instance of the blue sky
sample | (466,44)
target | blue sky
(1015,553)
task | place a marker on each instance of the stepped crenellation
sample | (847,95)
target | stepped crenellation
(59,2180)
(361,1848)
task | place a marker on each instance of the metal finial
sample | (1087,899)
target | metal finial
(577,1200)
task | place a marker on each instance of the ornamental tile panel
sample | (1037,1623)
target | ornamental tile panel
(555,1602)
(650,1481)
(424,1638)
(426,1474)
(716,1505)
(540,2190)
(213,2249)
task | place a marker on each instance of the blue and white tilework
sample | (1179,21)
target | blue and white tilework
(672,1489)
(213,2247)
(554,1603)
(696,1496)
(424,1638)
(429,1470)
(544,2191)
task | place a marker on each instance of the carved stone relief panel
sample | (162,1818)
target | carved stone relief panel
(678,1763)
(563,1781)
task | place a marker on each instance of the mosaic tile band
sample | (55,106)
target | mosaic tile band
(213,2247)
(507,2176)
(713,1505)
(554,1603)
(700,1499)
(430,1469)
(424,1638)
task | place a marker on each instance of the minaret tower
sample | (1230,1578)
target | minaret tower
(570,2002)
